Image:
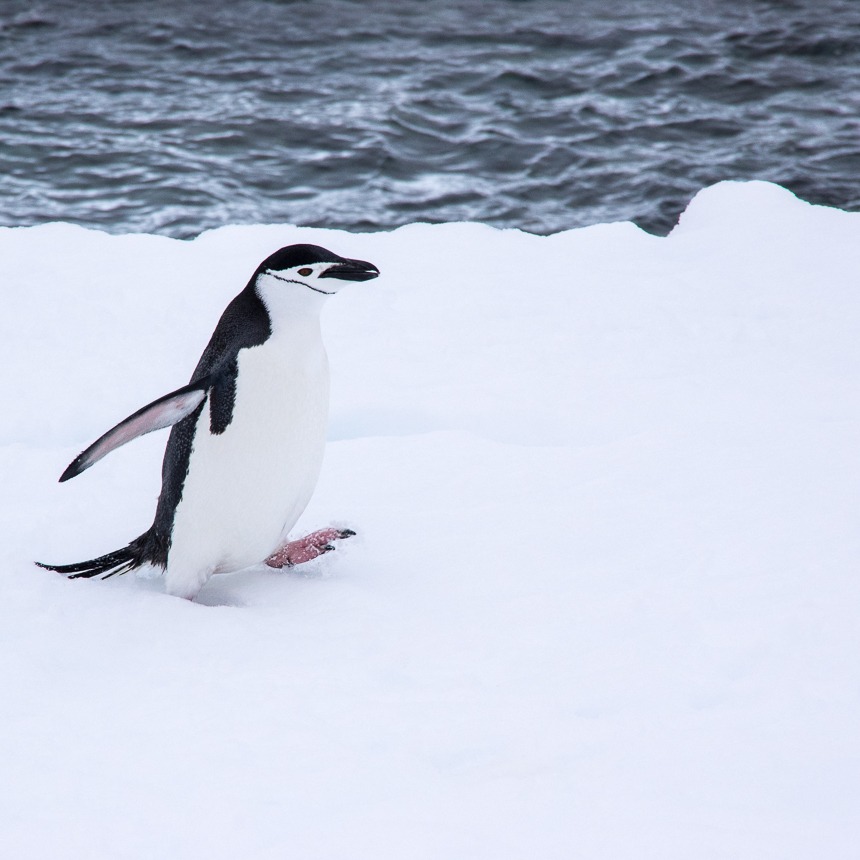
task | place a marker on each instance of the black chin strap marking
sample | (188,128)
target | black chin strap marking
(300,283)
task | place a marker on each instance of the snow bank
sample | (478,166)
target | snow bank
(603,602)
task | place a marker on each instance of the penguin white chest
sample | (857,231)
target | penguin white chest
(247,486)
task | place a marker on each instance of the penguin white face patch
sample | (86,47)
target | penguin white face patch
(324,276)
(305,276)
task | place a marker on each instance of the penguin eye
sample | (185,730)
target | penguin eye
(305,272)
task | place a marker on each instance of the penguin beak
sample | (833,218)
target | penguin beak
(351,270)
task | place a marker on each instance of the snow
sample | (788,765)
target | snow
(603,602)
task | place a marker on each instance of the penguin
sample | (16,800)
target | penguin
(248,433)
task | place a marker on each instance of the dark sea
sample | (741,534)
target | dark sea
(174,117)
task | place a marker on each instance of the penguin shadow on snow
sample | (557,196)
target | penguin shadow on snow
(260,586)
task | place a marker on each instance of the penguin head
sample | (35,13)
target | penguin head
(314,268)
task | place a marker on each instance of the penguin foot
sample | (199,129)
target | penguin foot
(309,547)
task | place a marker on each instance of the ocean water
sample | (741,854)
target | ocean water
(174,117)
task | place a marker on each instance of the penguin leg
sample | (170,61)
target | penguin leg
(186,580)
(308,547)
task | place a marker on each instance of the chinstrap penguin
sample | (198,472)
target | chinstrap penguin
(248,436)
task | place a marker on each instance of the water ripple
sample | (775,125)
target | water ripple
(175,117)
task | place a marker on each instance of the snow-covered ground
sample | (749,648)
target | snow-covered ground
(604,599)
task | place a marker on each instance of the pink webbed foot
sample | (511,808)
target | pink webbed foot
(309,547)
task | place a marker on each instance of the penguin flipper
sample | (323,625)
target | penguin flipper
(164,412)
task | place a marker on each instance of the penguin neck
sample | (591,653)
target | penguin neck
(290,306)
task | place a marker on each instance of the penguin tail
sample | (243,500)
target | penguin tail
(120,561)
